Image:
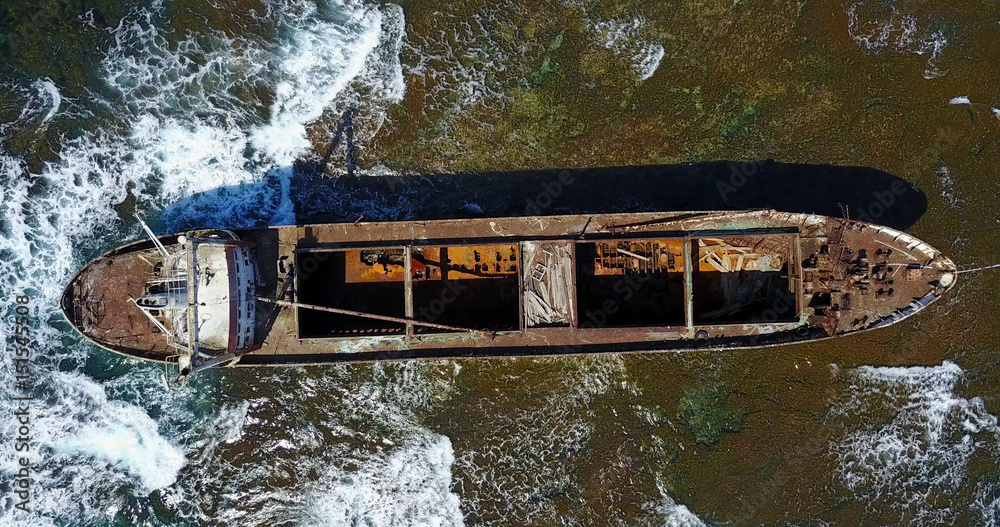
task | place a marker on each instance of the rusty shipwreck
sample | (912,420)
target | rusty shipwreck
(545,285)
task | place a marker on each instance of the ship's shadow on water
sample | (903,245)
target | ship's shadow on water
(862,193)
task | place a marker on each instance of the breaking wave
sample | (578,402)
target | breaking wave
(410,487)
(344,445)
(674,514)
(910,438)
(185,115)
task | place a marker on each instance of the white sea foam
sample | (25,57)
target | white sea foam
(196,139)
(462,64)
(313,73)
(947,185)
(89,452)
(648,60)
(231,421)
(412,487)
(672,513)
(119,434)
(51,92)
(879,26)
(40,100)
(181,123)
(965,100)
(285,213)
(916,456)
(514,474)
(986,505)
(624,38)
(349,439)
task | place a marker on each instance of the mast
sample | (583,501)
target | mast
(156,241)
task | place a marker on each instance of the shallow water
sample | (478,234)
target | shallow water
(112,107)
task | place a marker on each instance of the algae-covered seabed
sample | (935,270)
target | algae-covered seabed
(535,84)
(738,80)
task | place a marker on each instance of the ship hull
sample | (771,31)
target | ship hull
(548,286)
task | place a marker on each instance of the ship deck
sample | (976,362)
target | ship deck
(580,284)
(531,286)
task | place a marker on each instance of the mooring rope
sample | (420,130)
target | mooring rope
(977,269)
